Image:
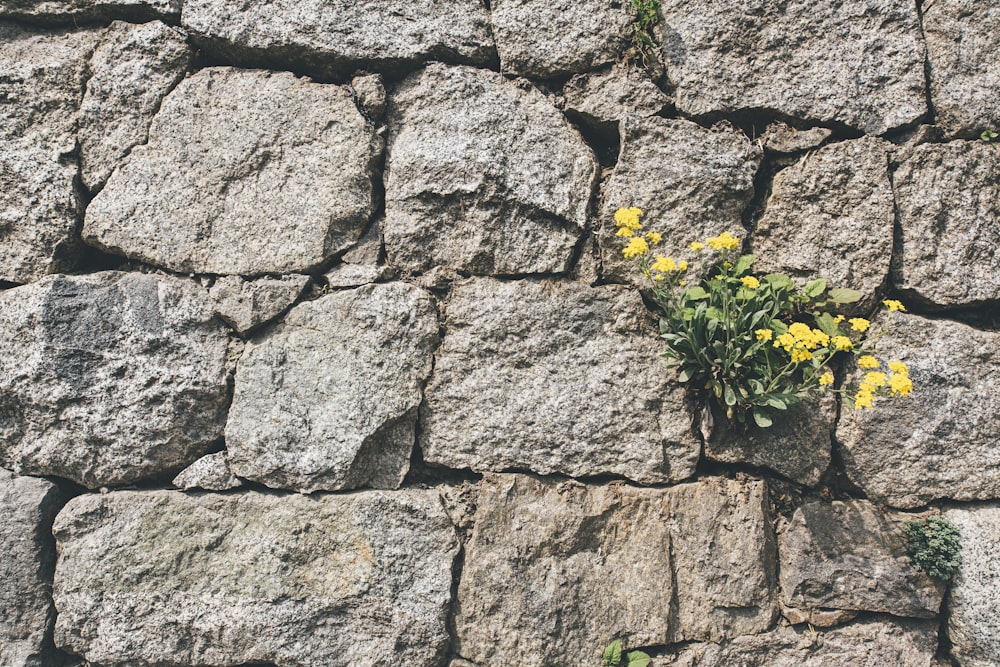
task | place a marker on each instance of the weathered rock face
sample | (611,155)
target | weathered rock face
(784,139)
(973,627)
(857,63)
(483,176)
(883,643)
(831,216)
(962,51)
(27,555)
(132,70)
(250,578)
(246,304)
(329,38)
(544,39)
(109,378)
(851,555)
(948,196)
(65,12)
(329,399)
(690,182)
(940,442)
(210,472)
(554,377)
(555,570)
(245,172)
(603,98)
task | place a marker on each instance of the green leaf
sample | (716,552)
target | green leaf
(761,418)
(826,324)
(777,403)
(844,295)
(779,281)
(814,288)
(743,265)
(695,294)
(730,395)
(637,659)
(685,375)
(779,327)
(613,654)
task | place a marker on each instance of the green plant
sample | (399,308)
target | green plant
(989,136)
(934,547)
(647,13)
(613,657)
(755,344)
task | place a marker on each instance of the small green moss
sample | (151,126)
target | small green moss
(934,547)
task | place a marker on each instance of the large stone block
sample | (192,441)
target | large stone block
(110,378)
(555,570)
(483,175)
(603,98)
(948,197)
(329,398)
(853,63)
(940,442)
(246,304)
(554,376)
(245,172)
(166,578)
(66,12)
(974,595)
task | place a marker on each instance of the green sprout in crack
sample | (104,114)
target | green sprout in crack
(647,14)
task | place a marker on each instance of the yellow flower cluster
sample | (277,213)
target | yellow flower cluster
(724,241)
(627,220)
(898,383)
(750,282)
(636,246)
(893,305)
(667,264)
(800,340)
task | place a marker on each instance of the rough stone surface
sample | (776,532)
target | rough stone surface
(27,555)
(797,446)
(369,89)
(483,176)
(858,63)
(64,12)
(603,98)
(888,643)
(254,578)
(948,197)
(940,442)
(132,70)
(546,38)
(962,48)
(552,376)
(784,139)
(245,172)
(246,304)
(555,570)
(973,626)
(334,37)
(831,216)
(109,378)
(851,555)
(329,399)
(210,472)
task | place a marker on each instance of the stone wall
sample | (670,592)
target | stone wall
(318,348)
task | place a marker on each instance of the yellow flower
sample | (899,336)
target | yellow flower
(900,385)
(628,217)
(859,324)
(899,368)
(842,343)
(867,361)
(750,282)
(763,334)
(875,379)
(800,331)
(838,319)
(865,397)
(636,246)
(683,283)
(624,231)
(894,305)
(697,245)
(654,237)
(785,340)
(826,379)
(800,354)
(664,264)
(683,265)
(819,338)
(724,241)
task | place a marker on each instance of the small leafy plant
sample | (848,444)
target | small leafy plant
(989,136)
(647,14)
(613,657)
(755,344)
(934,547)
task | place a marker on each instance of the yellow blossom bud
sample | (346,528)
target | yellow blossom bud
(654,237)
(894,305)
(683,266)
(900,385)
(636,246)
(697,246)
(842,343)
(763,334)
(899,368)
(859,324)
(750,282)
(867,361)
(826,379)
(875,379)
(664,264)
(625,231)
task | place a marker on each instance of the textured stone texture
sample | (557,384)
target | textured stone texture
(245,172)
(329,399)
(65,12)
(548,38)
(691,182)
(831,215)
(555,570)
(551,377)
(784,139)
(483,176)
(797,445)
(940,442)
(887,643)
(254,578)
(369,89)
(42,76)
(109,378)
(962,48)
(333,37)
(27,555)
(858,63)
(603,98)
(974,595)
(132,70)
(948,197)
(246,304)
(210,472)
(851,555)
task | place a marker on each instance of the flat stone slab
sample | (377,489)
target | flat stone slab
(973,627)
(940,442)
(839,62)
(211,473)
(73,12)
(109,378)
(483,175)
(948,197)
(245,172)
(254,578)
(335,37)
(554,377)
(328,399)
(556,569)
